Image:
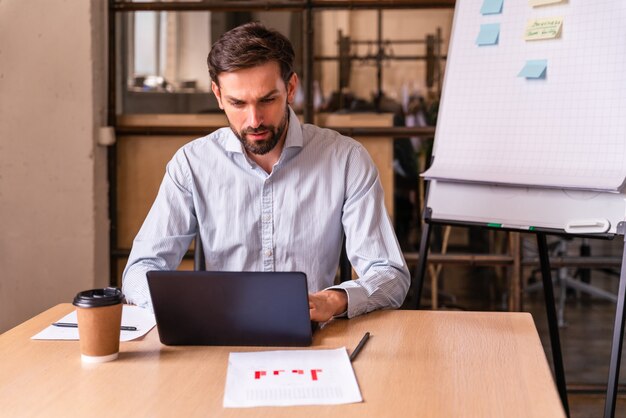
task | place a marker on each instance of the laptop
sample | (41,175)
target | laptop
(231,308)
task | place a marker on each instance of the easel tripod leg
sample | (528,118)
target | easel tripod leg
(616,345)
(555,341)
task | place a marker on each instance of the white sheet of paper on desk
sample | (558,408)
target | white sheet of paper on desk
(133,316)
(295,377)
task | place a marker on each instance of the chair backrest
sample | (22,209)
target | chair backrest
(345,268)
(199,264)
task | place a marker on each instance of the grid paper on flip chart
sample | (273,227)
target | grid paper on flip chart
(567,129)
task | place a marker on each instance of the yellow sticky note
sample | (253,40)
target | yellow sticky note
(535,3)
(537,29)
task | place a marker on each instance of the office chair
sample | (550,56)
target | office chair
(199,263)
(345,268)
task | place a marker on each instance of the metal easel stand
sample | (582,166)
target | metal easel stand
(564,280)
(555,342)
(618,336)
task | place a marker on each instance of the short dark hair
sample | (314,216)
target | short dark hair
(250,45)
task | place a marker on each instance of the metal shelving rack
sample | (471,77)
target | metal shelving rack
(306,7)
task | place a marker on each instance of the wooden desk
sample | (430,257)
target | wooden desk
(417,363)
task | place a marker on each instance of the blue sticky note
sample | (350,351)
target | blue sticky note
(491,7)
(534,69)
(489,34)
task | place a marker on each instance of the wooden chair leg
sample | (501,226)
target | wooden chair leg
(434,271)
(515,283)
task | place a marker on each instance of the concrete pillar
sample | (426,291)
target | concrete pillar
(53,188)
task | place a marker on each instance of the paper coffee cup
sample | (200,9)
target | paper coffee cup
(99,314)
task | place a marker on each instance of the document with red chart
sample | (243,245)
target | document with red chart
(286,378)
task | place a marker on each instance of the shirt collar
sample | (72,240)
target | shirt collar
(294,131)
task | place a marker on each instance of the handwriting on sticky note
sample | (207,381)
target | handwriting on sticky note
(538,29)
(535,3)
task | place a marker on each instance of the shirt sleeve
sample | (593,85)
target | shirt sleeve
(166,233)
(371,244)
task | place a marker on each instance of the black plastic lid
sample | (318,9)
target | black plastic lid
(95,298)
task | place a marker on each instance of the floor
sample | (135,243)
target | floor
(585,334)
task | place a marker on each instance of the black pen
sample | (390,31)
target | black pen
(359,347)
(72,325)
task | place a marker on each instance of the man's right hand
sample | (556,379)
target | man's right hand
(326,304)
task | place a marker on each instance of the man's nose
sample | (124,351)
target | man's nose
(255,117)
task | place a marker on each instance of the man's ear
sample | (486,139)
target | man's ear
(218,95)
(292,86)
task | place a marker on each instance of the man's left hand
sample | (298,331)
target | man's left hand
(326,304)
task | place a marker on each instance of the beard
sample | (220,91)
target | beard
(264,146)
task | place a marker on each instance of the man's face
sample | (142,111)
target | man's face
(255,102)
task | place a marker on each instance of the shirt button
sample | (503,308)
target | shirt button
(266,218)
(268,253)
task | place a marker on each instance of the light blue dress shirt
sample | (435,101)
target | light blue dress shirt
(290,220)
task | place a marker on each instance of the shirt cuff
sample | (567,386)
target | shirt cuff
(357,298)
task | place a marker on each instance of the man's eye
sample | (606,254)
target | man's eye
(268,100)
(237,104)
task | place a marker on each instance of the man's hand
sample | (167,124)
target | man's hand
(326,304)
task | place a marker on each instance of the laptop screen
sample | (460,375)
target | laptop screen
(231,308)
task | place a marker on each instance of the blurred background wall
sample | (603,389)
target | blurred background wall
(53,190)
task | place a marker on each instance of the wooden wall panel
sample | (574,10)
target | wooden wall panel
(141,164)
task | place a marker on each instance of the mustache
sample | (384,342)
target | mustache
(260,128)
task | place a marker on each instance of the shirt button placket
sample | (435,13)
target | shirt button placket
(267,227)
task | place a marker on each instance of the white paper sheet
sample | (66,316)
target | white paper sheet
(285,378)
(133,316)
(563,130)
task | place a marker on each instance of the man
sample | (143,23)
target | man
(271,194)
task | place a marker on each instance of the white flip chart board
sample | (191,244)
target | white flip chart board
(523,147)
